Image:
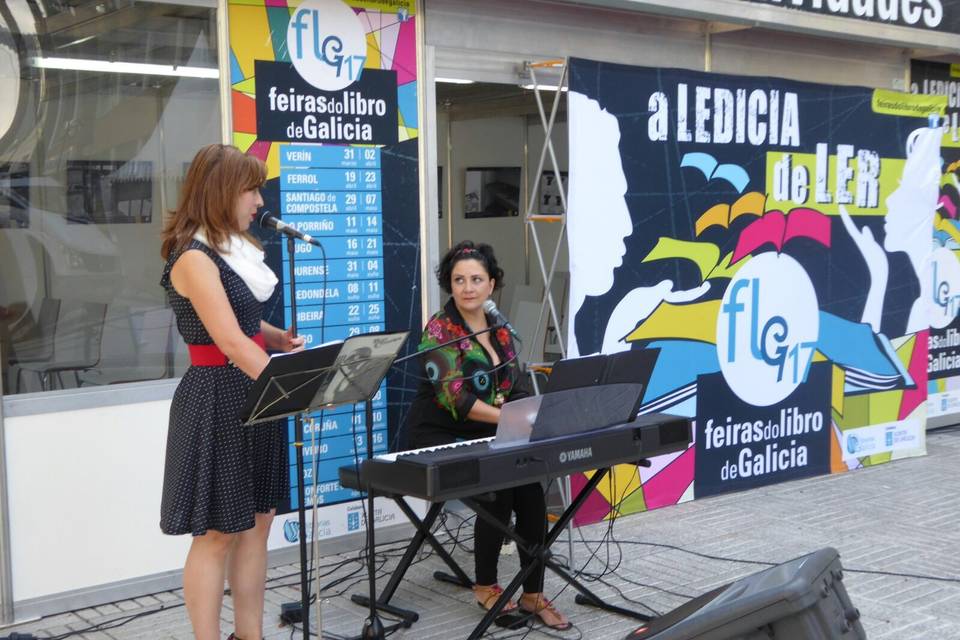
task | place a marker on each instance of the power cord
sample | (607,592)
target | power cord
(893,574)
(387,551)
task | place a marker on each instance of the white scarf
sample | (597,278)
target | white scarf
(246,260)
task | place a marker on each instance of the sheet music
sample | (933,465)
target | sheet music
(516,421)
(326,375)
(362,362)
(281,354)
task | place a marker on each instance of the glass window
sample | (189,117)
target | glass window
(102,105)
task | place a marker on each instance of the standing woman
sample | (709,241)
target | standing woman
(222,480)
(468,382)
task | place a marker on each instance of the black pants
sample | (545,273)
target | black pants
(527,501)
(530,507)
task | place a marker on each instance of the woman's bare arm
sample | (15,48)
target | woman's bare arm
(278,339)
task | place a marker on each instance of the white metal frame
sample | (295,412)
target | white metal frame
(6,571)
(548,304)
(531,218)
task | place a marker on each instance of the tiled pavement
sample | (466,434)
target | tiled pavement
(895,525)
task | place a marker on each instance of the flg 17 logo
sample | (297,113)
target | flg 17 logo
(767,329)
(327,44)
(945,287)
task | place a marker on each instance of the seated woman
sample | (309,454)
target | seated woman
(467,383)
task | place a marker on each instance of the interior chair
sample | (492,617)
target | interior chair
(138,347)
(76,343)
(31,339)
(118,348)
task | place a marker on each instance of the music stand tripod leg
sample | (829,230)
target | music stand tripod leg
(372,626)
(414,546)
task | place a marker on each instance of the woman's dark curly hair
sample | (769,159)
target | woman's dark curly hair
(468,250)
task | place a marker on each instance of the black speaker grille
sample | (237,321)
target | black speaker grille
(454,475)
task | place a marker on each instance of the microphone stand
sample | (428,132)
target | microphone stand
(373,628)
(298,447)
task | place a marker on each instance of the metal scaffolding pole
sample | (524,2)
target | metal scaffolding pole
(6,571)
(532,218)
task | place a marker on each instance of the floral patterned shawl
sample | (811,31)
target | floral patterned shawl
(461,372)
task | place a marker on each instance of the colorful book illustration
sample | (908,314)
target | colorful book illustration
(713,170)
(705,255)
(777,228)
(723,215)
(669,400)
(946,230)
(675,375)
(946,206)
(696,321)
(868,359)
(949,192)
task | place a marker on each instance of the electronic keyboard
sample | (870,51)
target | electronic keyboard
(472,467)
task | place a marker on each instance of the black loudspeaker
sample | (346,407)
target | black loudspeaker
(803,599)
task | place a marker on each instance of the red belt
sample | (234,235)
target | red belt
(209,355)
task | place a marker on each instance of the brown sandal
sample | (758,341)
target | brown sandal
(544,609)
(487,596)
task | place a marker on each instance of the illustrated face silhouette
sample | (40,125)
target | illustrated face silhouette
(602,219)
(915,199)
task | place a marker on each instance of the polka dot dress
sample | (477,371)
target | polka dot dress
(218,472)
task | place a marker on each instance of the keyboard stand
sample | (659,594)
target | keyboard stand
(541,555)
(423,534)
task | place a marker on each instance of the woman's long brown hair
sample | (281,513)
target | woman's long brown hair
(217,176)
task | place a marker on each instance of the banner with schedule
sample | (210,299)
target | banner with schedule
(325,93)
(770,240)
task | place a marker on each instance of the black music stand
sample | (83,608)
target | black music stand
(324,377)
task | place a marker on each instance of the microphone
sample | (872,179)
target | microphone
(490,308)
(267,221)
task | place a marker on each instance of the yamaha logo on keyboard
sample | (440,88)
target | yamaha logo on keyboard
(576,454)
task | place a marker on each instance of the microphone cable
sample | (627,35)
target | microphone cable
(495,368)
(325,273)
